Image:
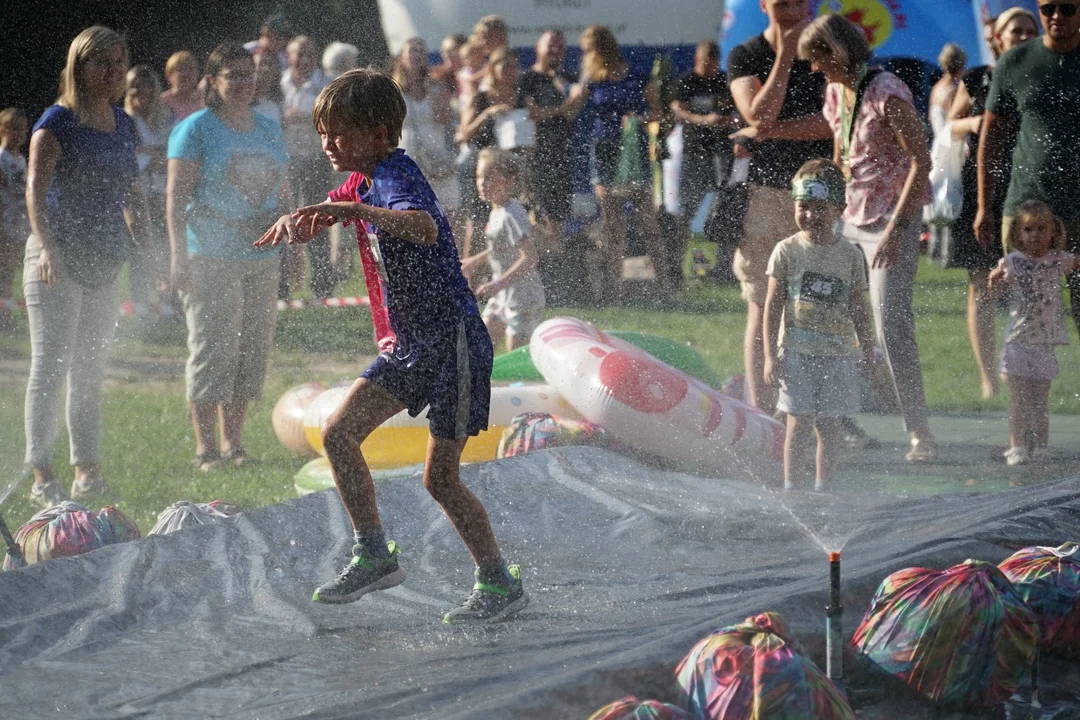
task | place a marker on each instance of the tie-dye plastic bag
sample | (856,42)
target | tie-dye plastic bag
(961,637)
(630,708)
(71,529)
(1048,579)
(530,432)
(756,671)
(185,514)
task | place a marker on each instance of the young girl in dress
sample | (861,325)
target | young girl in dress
(1031,272)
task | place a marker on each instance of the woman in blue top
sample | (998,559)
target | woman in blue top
(81,182)
(612,99)
(226,183)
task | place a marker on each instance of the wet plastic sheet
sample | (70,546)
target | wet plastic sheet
(627,568)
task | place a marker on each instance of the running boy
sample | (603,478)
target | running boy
(515,294)
(817,285)
(441,355)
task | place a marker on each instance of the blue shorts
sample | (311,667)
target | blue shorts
(452,376)
(825,386)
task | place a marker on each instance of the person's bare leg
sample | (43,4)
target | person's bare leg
(496,331)
(829,440)
(233,415)
(204,422)
(1017,411)
(84,474)
(442,479)
(1040,413)
(366,407)
(980,318)
(796,445)
(43,475)
(650,223)
(613,218)
(758,394)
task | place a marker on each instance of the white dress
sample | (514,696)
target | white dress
(425,141)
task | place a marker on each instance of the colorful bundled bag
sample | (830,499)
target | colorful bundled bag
(961,637)
(71,529)
(630,708)
(530,432)
(754,671)
(1048,579)
(184,514)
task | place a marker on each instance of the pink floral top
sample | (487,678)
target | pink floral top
(879,166)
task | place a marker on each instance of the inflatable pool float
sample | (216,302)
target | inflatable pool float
(517,365)
(652,407)
(287,417)
(402,440)
(316,475)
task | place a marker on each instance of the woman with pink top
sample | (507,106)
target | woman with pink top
(880,142)
(183,96)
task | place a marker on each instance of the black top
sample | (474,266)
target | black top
(775,161)
(546,91)
(485,134)
(702,96)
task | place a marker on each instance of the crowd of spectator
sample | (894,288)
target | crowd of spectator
(193,170)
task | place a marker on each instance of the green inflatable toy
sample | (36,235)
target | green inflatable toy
(517,365)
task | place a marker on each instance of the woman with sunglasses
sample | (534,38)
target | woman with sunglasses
(1035,87)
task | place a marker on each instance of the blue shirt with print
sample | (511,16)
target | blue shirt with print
(426,293)
(236,192)
(86,198)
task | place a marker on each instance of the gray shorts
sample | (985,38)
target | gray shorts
(818,385)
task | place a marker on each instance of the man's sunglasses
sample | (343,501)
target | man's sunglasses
(1066,9)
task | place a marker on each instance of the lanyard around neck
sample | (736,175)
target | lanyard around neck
(847,118)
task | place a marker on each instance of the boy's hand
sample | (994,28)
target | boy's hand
(771,371)
(295,228)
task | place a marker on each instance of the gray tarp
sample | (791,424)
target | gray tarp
(626,567)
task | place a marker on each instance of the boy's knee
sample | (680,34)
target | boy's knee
(339,437)
(442,488)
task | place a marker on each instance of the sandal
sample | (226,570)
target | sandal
(238,457)
(93,487)
(922,451)
(48,494)
(209,461)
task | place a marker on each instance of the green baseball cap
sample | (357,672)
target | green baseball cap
(809,187)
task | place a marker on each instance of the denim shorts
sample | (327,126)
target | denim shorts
(818,385)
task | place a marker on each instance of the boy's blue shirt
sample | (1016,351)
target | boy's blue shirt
(426,293)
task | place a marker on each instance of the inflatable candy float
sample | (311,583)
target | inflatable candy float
(652,407)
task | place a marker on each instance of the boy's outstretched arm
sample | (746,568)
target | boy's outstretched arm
(415,226)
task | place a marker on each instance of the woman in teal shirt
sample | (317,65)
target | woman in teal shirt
(226,185)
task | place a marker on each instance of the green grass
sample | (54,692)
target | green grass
(147,444)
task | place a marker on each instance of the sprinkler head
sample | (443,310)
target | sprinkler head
(834,557)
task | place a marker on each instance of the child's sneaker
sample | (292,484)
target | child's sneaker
(365,573)
(489,603)
(1017,456)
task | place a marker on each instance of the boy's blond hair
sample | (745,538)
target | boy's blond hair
(1035,208)
(363,98)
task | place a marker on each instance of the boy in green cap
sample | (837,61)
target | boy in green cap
(817,295)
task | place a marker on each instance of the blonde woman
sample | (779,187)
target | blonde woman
(880,141)
(82,178)
(154,121)
(1013,27)
(952,60)
(610,97)
(428,115)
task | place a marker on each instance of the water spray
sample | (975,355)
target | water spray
(834,624)
(13,550)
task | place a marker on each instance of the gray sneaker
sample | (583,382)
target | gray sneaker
(365,573)
(47,495)
(490,603)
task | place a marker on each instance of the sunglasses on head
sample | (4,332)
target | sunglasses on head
(1066,9)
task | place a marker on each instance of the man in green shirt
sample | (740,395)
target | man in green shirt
(1037,85)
